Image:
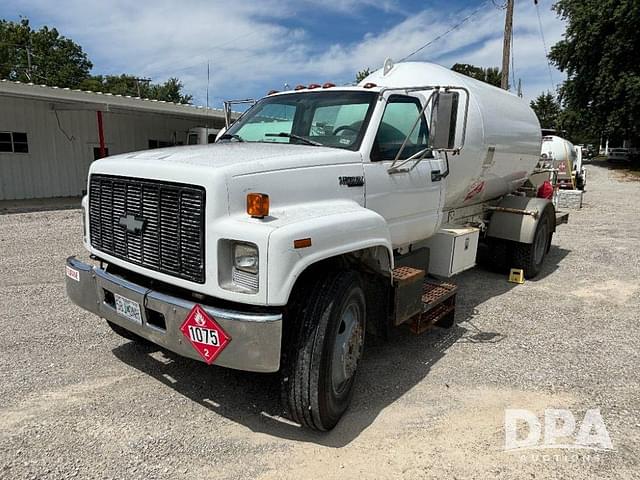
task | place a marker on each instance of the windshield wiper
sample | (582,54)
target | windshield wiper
(230,136)
(294,136)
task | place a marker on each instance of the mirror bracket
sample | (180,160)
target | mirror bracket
(451,109)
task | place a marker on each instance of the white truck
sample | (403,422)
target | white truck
(565,159)
(312,220)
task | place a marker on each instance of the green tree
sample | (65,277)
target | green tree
(490,75)
(45,56)
(40,56)
(362,74)
(547,109)
(599,55)
(169,91)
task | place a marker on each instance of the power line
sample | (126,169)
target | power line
(212,49)
(465,19)
(544,44)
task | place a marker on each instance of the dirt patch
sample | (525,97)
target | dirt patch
(611,291)
(466,442)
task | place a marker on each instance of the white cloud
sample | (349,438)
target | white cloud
(251,50)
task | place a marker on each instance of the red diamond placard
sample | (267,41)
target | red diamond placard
(204,333)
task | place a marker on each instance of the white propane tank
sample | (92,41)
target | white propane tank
(502,145)
(559,151)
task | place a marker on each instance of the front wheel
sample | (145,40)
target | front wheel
(319,368)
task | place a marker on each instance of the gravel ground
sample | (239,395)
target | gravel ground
(78,401)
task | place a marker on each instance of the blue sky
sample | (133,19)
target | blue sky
(256,46)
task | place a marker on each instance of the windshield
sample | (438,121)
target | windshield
(333,119)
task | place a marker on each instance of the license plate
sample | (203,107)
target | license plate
(128,309)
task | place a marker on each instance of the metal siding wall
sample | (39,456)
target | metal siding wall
(20,173)
(56,166)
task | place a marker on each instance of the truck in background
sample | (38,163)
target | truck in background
(201,135)
(565,161)
(314,219)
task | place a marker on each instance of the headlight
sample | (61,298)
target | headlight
(245,257)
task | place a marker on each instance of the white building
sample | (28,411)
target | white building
(49,135)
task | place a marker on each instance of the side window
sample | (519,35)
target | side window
(15,142)
(399,117)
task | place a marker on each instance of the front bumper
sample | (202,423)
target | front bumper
(256,337)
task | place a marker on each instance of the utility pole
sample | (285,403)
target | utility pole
(29,64)
(146,81)
(506,46)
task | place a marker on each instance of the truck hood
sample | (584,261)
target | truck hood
(241,158)
(290,174)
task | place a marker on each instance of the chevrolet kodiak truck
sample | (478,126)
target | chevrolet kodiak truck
(312,220)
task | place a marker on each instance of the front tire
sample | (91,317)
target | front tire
(319,368)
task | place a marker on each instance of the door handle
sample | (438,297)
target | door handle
(436,175)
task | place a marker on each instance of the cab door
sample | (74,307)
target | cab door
(410,199)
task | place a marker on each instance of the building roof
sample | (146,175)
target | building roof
(66,98)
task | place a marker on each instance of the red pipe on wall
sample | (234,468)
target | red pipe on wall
(103,151)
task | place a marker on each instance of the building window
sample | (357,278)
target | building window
(14,142)
(159,144)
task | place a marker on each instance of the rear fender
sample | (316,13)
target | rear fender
(520,227)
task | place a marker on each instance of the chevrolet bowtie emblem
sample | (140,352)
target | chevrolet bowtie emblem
(132,223)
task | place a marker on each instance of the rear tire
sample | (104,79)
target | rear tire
(325,347)
(498,255)
(530,256)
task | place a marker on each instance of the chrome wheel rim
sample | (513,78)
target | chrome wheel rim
(348,346)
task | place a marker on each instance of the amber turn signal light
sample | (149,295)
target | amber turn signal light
(302,243)
(258,205)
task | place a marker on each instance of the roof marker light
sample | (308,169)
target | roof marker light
(313,85)
(328,85)
(271,92)
(300,87)
(369,85)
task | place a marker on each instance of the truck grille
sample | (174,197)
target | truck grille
(157,225)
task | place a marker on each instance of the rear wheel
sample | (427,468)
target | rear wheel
(530,256)
(319,368)
(498,254)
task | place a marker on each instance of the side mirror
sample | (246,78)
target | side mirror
(444,116)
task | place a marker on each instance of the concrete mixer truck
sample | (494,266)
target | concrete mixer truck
(315,218)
